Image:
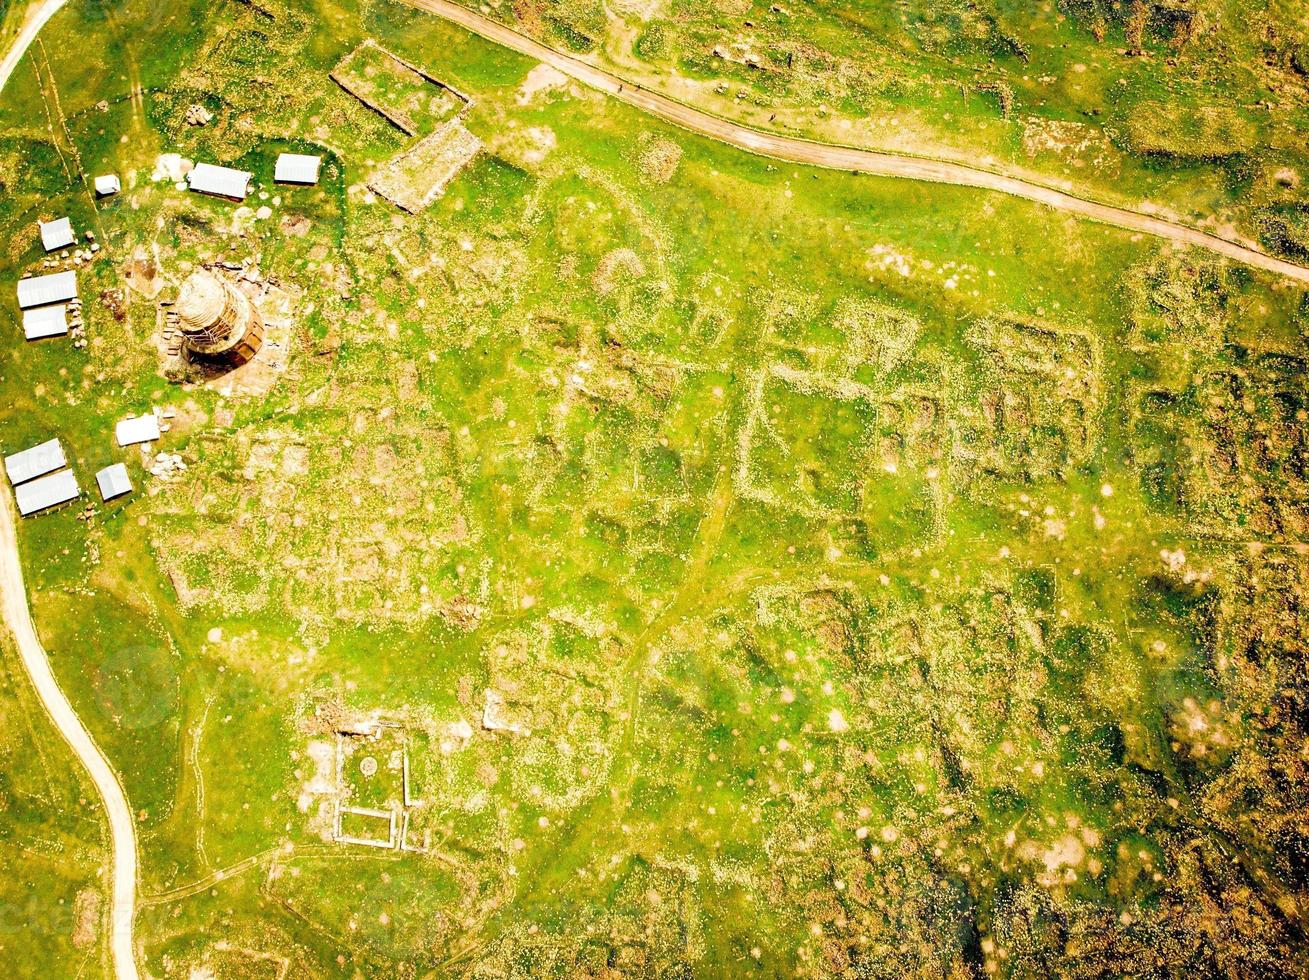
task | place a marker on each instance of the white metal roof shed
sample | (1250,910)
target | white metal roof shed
(57,488)
(56,234)
(107,184)
(143,428)
(31,463)
(297,168)
(58,287)
(206,178)
(45,321)
(114,481)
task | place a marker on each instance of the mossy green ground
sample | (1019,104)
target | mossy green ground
(874,578)
(51,841)
(1197,108)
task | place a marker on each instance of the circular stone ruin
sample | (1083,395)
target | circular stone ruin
(218,321)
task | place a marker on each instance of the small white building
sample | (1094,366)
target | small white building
(57,488)
(56,234)
(114,481)
(58,287)
(107,184)
(45,321)
(297,168)
(143,428)
(206,178)
(34,462)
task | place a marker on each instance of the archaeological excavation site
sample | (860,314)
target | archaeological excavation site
(629,490)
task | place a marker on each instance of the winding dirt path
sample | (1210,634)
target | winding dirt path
(17,616)
(879,163)
(13,598)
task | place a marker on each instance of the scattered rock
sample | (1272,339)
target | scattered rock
(167,466)
(1287,177)
(495,716)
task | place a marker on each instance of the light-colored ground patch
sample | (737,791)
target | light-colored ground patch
(643,9)
(323,780)
(540,80)
(658,159)
(620,264)
(86,918)
(540,141)
(1073,144)
(171,167)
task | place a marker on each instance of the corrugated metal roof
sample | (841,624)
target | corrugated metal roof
(45,321)
(114,481)
(144,428)
(107,184)
(297,168)
(58,287)
(56,488)
(31,463)
(56,234)
(222,181)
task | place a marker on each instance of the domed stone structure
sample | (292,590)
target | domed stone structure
(218,321)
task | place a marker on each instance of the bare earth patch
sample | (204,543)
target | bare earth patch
(659,159)
(540,80)
(86,918)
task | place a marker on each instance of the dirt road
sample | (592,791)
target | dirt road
(13,597)
(36,19)
(796,150)
(13,606)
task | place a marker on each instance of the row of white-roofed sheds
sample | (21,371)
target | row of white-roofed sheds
(44,301)
(42,479)
(228,182)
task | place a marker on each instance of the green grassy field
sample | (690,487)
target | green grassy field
(51,840)
(1196,108)
(755,570)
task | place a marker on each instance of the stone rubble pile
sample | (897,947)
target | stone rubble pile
(167,466)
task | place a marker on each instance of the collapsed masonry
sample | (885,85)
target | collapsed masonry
(417,176)
(219,322)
